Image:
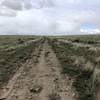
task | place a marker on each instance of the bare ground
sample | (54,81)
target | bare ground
(40,79)
(98,93)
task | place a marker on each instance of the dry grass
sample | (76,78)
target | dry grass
(12,55)
(81,64)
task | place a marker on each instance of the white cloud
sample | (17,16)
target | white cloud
(47,16)
(90,31)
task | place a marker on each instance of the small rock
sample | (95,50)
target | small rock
(47,53)
(36,89)
(56,79)
(73,94)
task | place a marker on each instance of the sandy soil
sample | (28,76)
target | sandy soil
(98,94)
(40,79)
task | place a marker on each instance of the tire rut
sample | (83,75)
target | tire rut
(54,86)
(63,84)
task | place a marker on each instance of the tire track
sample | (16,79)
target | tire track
(54,86)
(63,84)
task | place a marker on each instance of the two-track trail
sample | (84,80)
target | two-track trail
(42,80)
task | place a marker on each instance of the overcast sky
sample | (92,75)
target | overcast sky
(49,17)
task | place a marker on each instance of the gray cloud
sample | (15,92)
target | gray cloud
(12,4)
(7,12)
(27,4)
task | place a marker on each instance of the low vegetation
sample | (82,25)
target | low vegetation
(13,53)
(79,63)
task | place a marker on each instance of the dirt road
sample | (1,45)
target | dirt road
(40,79)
